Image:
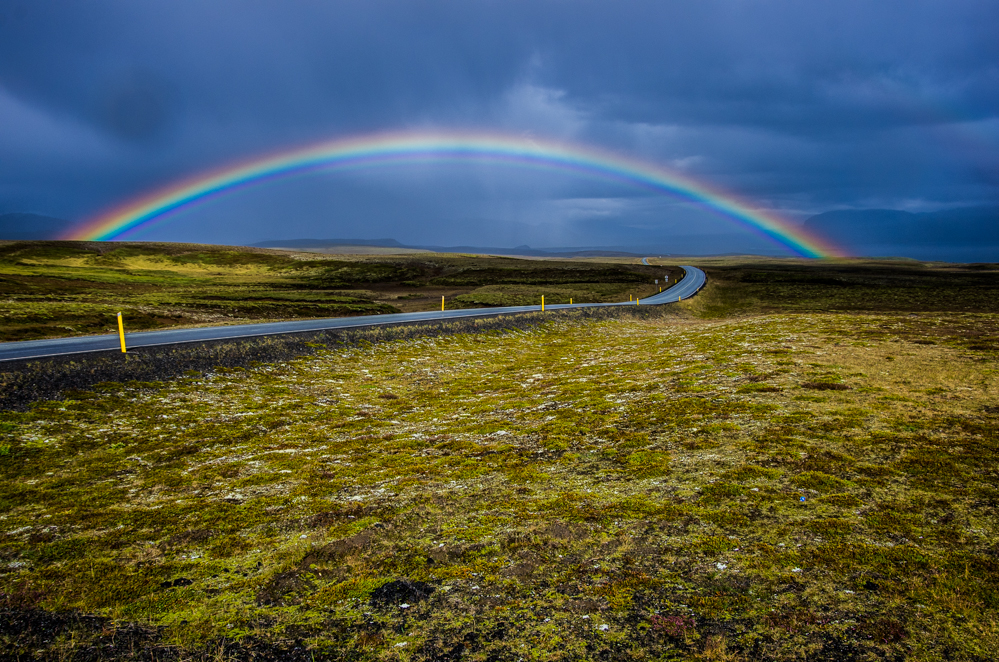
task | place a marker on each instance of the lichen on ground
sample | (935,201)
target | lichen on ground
(783,487)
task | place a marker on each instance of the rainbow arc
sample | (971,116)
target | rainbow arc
(427,146)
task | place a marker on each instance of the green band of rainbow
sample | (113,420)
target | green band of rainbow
(379,149)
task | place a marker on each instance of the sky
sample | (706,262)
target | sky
(798,107)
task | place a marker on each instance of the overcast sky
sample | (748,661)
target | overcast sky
(801,106)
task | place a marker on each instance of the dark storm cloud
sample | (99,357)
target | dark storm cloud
(800,106)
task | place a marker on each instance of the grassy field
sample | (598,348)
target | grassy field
(53,289)
(795,465)
(741,286)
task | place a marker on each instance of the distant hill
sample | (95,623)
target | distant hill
(534,252)
(968,233)
(324,243)
(22,226)
(320,244)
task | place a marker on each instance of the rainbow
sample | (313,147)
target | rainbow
(430,146)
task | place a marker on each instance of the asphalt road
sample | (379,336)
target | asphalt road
(33,349)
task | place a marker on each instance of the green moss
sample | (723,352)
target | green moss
(749,472)
(816,480)
(841,500)
(648,464)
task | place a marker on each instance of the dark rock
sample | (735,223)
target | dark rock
(401,591)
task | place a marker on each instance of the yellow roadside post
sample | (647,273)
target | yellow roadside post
(636,301)
(542,303)
(442,303)
(121,333)
(570,301)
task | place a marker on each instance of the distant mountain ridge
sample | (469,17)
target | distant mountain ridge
(21,226)
(321,243)
(491,250)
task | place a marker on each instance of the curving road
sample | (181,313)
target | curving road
(688,286)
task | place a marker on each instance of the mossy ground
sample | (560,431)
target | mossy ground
(741,286)
(53,289)
(785,486)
